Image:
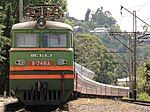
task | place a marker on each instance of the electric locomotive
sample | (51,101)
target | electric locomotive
(41,60)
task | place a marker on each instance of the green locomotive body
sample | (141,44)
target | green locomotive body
(41,62)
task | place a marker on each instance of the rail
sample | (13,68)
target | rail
(138,102)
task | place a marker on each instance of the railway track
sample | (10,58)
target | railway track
(138,102)
(42,110)
(64,107)
(17,107)
(57,110)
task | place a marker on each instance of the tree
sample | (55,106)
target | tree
(144,69)
(4,64)
(62,3)
(91,53)
(83,44)
(3,41)
(102,17)
(87,15)
(143,85)
(8,21)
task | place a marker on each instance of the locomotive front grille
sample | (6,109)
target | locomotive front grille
(41,95)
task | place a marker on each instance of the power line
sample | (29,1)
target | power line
(140,5)
(135,15)
(122,43)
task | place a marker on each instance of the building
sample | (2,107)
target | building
(123,82)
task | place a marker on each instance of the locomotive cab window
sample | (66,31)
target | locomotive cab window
(27,40)
(55,40)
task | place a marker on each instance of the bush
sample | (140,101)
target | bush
(144,96)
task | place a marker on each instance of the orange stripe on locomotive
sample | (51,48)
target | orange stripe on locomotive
(42,76)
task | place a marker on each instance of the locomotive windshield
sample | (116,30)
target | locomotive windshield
(53,40)
(27,40)
(33,40)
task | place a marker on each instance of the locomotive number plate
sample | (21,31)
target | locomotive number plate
(40,63)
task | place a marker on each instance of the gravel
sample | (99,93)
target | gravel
(104,105)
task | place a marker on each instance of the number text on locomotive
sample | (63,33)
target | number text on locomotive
(41,55)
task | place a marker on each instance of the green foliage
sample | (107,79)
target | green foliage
(103,17)
(87,47)
(4,61)
(8,20)
(99,18)
(70,22)
(91,53)
(143,96)
(103,64)
(62,3)
(145,52)
(143,85)
(106,78)
(115,28)
(3,41)
(143,82)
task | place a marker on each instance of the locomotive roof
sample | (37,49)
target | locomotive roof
(49,25)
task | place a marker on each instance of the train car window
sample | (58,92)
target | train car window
(27,40)
(52,40)
(72,45)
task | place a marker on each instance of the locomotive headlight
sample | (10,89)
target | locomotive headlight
(61,62)
(41,22)
(21,62)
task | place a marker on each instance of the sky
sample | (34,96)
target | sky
(78,8)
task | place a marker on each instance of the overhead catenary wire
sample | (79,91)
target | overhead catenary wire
(116,33)
(121,59)
(122,43)
(137,6)
(146,3)
(135,15)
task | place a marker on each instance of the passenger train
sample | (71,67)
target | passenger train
(42,71)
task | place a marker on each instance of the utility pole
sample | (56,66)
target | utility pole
(20,10)
(134,54)
(131,68)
